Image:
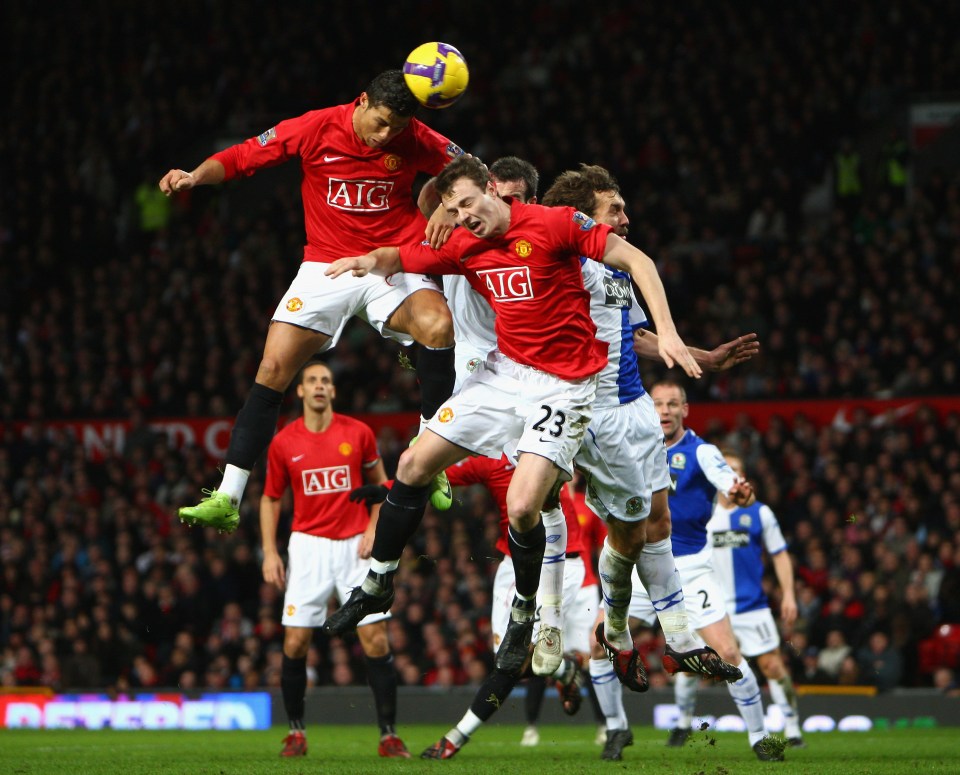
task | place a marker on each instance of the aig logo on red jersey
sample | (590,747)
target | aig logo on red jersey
(320,481)
(365,196)
(509,283)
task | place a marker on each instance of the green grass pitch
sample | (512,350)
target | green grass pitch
(563,749)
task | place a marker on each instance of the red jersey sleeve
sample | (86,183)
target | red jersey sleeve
(278,477)
(578,232)
(422,259)
(436,151)
(275,146)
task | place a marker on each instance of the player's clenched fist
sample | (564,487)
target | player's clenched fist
(176,180)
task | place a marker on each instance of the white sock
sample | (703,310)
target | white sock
(234,482)
(658,572)
(746,696)
(550,594)
(469,724)
(784,695)
(614,570)
(685,694)
(609,692)
(384,566)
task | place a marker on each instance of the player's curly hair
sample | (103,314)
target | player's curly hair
(469,167)
(578,188)
(390,90)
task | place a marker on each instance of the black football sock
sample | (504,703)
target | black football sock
(293,685)
(526,550)
(399,519)
(254,427)
(494,690)
(435,373)
(536,686)
(382,678)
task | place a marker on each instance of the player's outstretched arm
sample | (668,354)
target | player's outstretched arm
(620,254)
(726,356)
(380,261)
(210,172)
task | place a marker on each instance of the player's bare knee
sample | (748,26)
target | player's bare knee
(627,538)
(771,666)
(296,642)
(410,469)
(273,373)
(658,526)
(729,653)
(437,330)
(522,511)
(428,319)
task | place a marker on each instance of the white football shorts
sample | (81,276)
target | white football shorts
(756,632)
(578,625)
(506,407)
(325,304)
(316,569)
(623,460)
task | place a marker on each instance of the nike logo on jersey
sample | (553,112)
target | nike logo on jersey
(331,158)
(297,458)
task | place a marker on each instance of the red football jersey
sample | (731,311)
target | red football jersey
(496,475)
(355,198)
(531,277)
(321,469)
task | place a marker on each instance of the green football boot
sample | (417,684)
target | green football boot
(217,510)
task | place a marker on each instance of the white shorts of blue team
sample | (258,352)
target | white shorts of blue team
(325,304)
(317,569)
(507,407)
(703,597)
(756,631)
(623,460)
(469,354)
(575,636)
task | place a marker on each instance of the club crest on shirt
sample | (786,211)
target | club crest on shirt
(523,248)
(745,520)
(584,221)
(345,448)
(446,415)
(392,162)
(678,460)
(634,505)
(266,137)
(294,305)
(291,610)
(473,364)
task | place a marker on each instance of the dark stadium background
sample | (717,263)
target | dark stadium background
(726,124)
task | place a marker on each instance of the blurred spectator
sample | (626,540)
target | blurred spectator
(830,658)
(880,664)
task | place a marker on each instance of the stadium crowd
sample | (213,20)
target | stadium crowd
(116,302)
